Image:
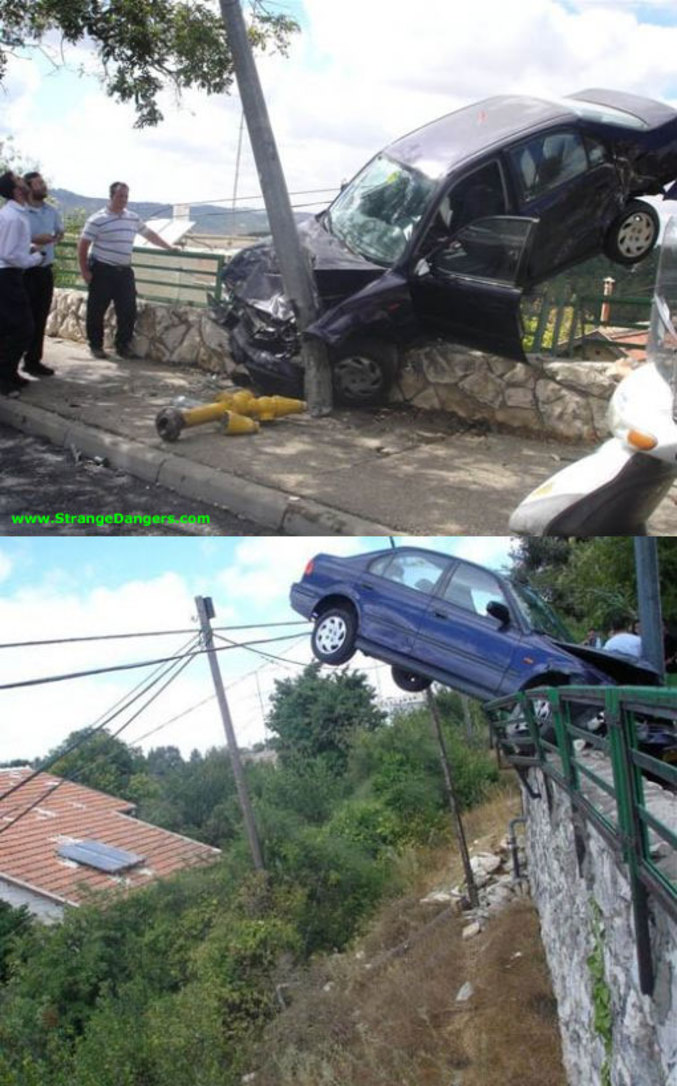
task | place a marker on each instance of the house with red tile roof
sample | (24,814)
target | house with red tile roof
(60,842)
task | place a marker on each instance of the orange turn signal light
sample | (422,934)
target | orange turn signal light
(641,441)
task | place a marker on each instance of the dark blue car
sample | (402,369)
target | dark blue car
(436,617)
(442,232)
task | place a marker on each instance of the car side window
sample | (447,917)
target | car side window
(472,589)
(417,571)
(597,152)
(548,161)
(486,249)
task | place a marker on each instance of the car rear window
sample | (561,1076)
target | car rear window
(590,111)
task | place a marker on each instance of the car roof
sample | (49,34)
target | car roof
(438,147)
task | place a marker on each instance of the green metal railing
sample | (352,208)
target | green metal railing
(187,277)
(609,794)
(558,324)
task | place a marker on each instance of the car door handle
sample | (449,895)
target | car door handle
(368,587)
(441,614)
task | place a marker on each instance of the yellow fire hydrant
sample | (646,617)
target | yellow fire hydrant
(265,408)
(172,420)
(238,413)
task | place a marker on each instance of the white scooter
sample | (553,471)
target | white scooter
(616,489)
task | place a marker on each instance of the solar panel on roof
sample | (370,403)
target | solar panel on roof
(100,856)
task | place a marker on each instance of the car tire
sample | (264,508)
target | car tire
(363,372)
(333,636)
(409,680)
(633,234)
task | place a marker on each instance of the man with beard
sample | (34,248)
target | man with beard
(46,229)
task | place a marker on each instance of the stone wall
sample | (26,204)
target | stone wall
(164,333)
(571,882)
(565,400)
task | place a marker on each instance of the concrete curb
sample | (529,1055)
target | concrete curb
(283,513)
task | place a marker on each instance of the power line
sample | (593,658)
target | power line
(143,663)
(146,633)
(90,733)
(101,721)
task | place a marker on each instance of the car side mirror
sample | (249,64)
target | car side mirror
(499,611)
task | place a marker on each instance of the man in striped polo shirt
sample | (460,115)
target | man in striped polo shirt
(107,269)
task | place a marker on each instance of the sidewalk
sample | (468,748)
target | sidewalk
(354,473)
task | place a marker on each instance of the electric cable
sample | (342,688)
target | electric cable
(145,633)
(83,739)
(144,663)
(98,724)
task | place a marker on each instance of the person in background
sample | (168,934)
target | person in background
(16,254)
(108,272)
(46,230)
(621,638)
(592,638)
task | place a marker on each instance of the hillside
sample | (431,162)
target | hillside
(208,218)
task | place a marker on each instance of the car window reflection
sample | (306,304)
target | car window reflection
(420,572)
(472,589)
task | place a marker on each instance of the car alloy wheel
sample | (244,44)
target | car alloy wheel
(333,638)
(363,374)
(633,233)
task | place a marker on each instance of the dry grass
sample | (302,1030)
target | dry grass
(374,1018)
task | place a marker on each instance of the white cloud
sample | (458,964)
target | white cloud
(5,566)
(357,77)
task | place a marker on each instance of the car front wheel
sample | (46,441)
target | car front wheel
(633,234)
(363,373)
(333,637)
(409,680)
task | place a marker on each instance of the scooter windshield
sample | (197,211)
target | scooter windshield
(662,345)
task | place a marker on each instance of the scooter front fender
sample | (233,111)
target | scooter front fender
(613,491)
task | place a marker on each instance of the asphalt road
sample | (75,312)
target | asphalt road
(38,476)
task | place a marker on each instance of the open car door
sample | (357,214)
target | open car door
(469,289)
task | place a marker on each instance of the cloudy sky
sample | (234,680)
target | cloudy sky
(359,74)
(79,587)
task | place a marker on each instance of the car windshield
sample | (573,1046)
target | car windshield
(375,215)
(539,614)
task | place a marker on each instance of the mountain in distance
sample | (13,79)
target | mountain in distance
(208,218)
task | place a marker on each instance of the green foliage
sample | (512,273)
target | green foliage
(601,993)
(142,45)
(316,716)
(589,580)
(172,983)
(13,922)
(100,762)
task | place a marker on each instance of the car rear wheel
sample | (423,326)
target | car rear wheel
(409,680)
(633,234)
(333,637)
(363,373)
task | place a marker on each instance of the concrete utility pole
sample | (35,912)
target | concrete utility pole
(297,276)
(453,801)
(205,610)
(649,601)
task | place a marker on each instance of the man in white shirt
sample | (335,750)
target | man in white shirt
(107,269)
(46,229)
(16,254)
(622,638)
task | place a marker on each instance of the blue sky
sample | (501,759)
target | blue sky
(74,587)
(355,79)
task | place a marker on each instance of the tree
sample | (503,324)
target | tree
(143,45)
(315,716)
(100,761)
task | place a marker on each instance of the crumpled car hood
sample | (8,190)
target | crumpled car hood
(254,278)
(622,669)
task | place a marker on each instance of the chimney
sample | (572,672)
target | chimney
(608,289)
